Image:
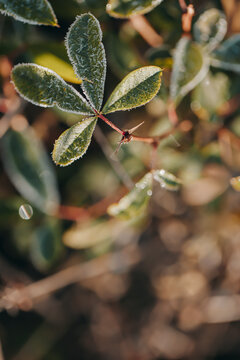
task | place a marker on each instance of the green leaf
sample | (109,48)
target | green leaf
(210,95)
(227,56)
(46,246)
(36,12)
(190,66)
(53,56)
(167,180)
(73,143)
(45,88)
(210,28)
(135,202)
(29,169)
(126,8)
(136,89)
(87,54)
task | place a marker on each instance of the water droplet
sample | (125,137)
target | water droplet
(25,211)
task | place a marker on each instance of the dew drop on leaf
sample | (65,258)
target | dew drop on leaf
(25,211)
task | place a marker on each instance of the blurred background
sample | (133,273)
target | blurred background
(76,283)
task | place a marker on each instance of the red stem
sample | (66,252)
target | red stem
(116,128)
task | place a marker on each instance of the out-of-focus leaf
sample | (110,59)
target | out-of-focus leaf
(135,202)
(45,88)
(46,246)
(37,12)
(53,56)
(90,234)
(29,169)
(97,236)
(160,56)
(190,66)
(122,57)
(87,54)
(136,89)
(235,126)
(126,8)
(167,180)
(73,143)
(235,182)
(227,55)
(210,28)
(210,95)
(203,191)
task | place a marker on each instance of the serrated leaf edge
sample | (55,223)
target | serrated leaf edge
(54,103)
(130,74)
(32,22)
(91,119)
(88,96)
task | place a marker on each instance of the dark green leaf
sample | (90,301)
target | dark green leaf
(73,143)
(37,12)
(227,56)
(126,8)
(136,89)
(45,88)
(87,54)
(135,202)
(190,66)
(210,28)
(29,169)
(46,246)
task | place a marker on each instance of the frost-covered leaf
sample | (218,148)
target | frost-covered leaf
(36,12)
(126,8)
(136,89)
(210,28)
(87,54)
(29,169)
(212,92)
(167,180)
(45,246)
(53,56)
(235,182)
(45,88)
(190,66)
(227,55)
(73,143)
(135,202)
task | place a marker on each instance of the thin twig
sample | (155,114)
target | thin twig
(187,19)
(107,121)
(145,29)
(183,5)
(128,136)
(108,151)
(121,259)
